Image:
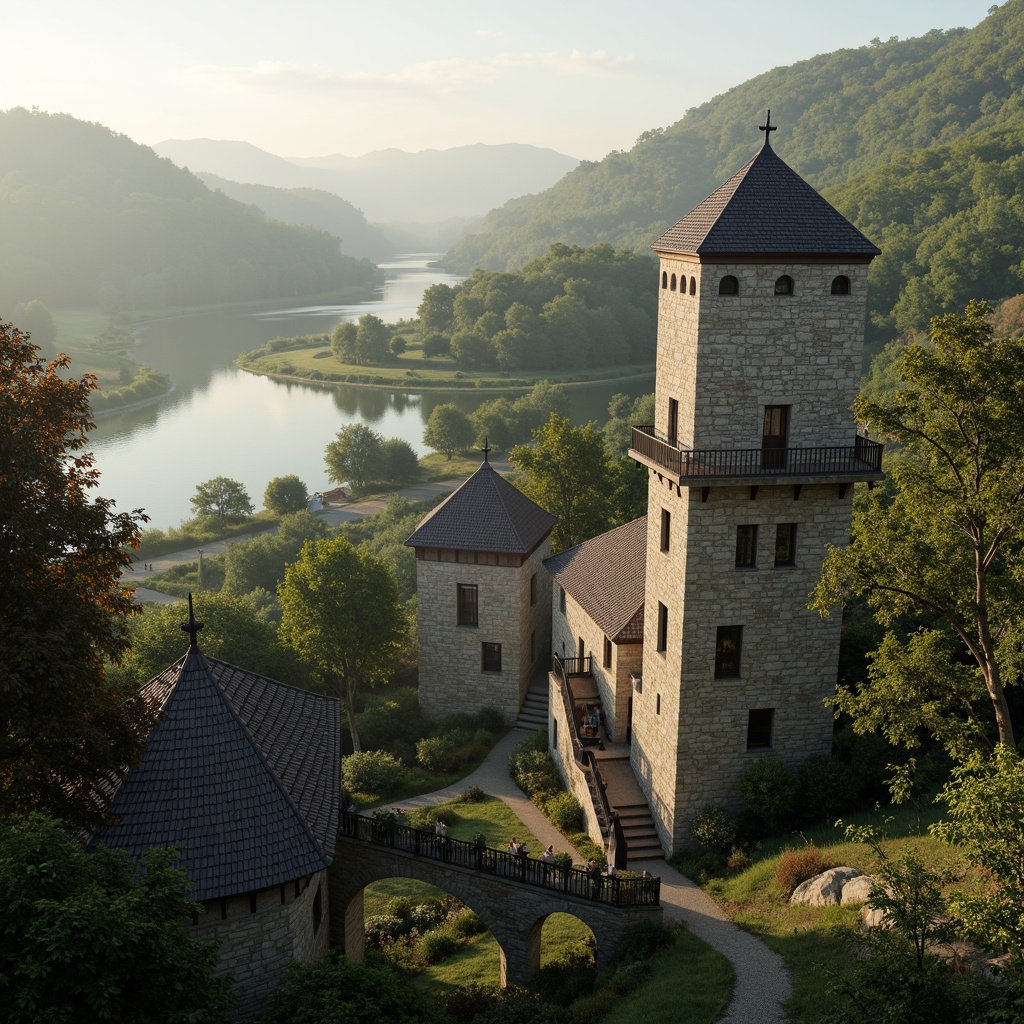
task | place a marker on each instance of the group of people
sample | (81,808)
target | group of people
(516,848)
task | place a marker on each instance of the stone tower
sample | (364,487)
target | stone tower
(750,464)
(484,599)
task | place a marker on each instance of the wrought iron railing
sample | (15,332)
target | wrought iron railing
(585,760)
(863,456)
(619,892)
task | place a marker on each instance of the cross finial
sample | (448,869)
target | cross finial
(191,627)
(486,450)
(767,128)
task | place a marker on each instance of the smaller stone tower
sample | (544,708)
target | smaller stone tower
(484,599)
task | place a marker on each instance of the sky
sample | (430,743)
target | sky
(311,78)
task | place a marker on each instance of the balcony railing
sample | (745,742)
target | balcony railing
(861,460)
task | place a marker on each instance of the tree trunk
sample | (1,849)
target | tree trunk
(350,708)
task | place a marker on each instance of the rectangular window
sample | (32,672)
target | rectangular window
(759,728)
(672,431)
(533,590)
(467,604)
(607,653)
(561,599)
(490,657)
(728,645)
(746,547)
(666,529)
(662,627)
(785,544)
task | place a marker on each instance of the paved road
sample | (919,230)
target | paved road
(137,575)
(762,981)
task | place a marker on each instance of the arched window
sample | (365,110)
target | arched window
(672,283)
(682,284)
(664,279)
(729,285)
(841,285)
(784,285)
(693,286)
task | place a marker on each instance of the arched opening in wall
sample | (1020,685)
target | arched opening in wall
(841,285)
(664,279)
(567,953)
(729,285)
(784,285)
(682,284)
(693,286)
(672,283)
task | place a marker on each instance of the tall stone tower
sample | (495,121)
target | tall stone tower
(750,464)
(484,598)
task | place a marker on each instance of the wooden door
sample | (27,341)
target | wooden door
(774,436)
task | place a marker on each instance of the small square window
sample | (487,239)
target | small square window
(785,544)
(666,529)
(760,723)
(467,604)
(607,653)
(533,590)
(728,645)
(490,657)
(746,547)
(662,627)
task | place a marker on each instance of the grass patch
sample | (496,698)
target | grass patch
(691,983)
(195,533)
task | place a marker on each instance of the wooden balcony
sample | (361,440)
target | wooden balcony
(693,468)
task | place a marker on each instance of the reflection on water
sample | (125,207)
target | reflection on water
(220,421)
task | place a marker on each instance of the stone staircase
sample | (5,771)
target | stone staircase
(625,796)
(533,715)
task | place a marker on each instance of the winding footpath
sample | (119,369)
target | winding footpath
(762,981)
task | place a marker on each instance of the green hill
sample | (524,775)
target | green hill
(90,218)
(918,141)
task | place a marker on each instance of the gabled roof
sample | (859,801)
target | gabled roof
(241,774)
(765,207)
(486,513)
(605,577)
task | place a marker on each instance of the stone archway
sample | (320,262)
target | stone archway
(534,955)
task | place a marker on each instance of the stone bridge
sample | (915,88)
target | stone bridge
(512,901)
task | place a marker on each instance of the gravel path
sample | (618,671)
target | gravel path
(762,981)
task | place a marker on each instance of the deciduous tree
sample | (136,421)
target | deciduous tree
(437,308)
(285,494)
(566,472)
(222,499)
(63,726)
(354,456)
(343,617)
(945,542)
(399,463)
(448,430)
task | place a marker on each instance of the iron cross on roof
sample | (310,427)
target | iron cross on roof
(191,627)
(767,128)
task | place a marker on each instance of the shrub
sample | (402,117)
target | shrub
(427,817)
(438,945)
(565,812)
(467,924)
(438,754)
(463,1003)
(534,772)
(588,848)
(641,943)
(427,915)
(472,795)
(381,927)
(372,771)
(737,860)
(769,789)
(827,788)
(714,828)
(563,860)
(490,719)
(399,906)
(796,866)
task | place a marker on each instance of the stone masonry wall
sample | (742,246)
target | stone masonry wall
(450,662)
(257,947)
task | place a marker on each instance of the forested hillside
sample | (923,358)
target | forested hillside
(90,218)
(918,141)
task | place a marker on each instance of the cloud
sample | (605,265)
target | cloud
(453,74)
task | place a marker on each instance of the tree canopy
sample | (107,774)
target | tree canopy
(221,498)
(943,542)
(342,615)
(448,430)
(285,494)
(85,937)
(63,726)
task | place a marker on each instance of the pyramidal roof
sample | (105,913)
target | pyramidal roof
(486,513)
(241,775)
(605,577)
(765,207)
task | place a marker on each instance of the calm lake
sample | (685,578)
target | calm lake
(220,421)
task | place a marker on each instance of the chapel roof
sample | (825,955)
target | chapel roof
(486,513)
(765,207)
(605,577)
(241,775)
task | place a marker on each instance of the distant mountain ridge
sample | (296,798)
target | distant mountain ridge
(388,185)
(919,142)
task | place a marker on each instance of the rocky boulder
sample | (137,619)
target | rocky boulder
(824,890)
(857,890)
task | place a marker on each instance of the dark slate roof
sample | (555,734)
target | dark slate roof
(486,513)
(605,576)
(765,207)
(241,774)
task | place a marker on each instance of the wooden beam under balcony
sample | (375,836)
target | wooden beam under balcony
(754,466)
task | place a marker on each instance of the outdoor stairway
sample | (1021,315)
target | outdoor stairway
(625,796)
(533,715)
